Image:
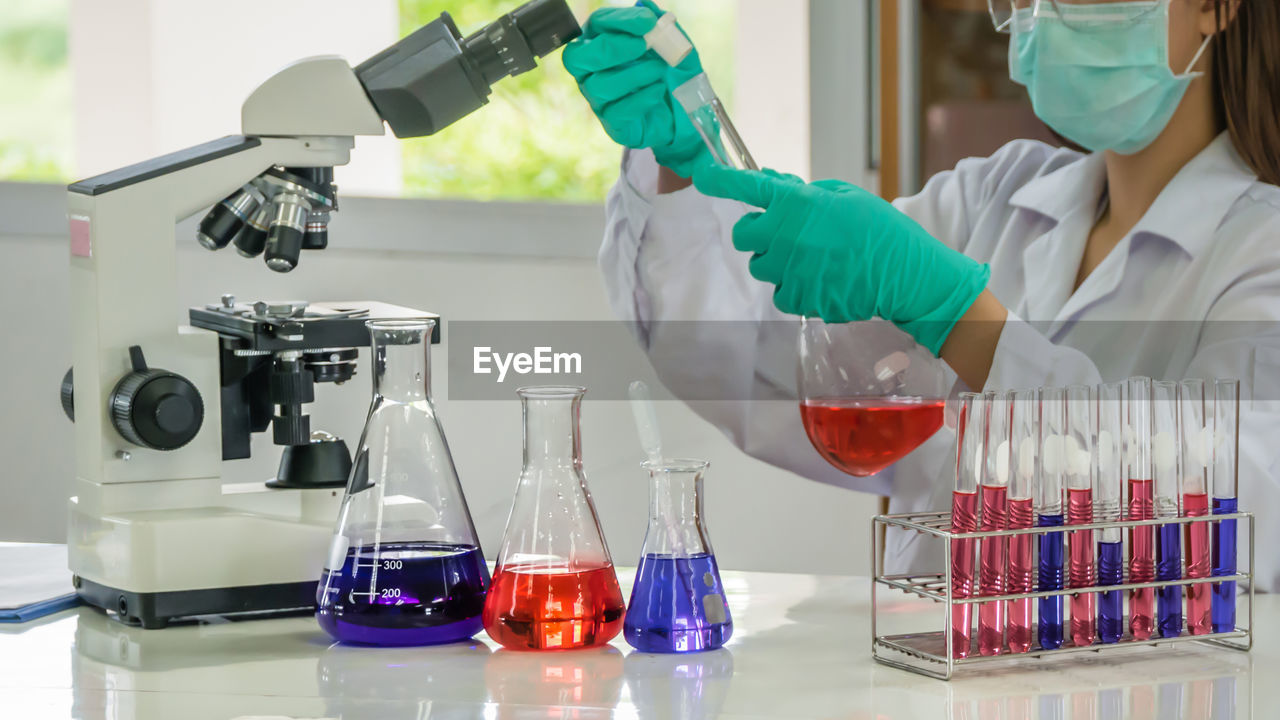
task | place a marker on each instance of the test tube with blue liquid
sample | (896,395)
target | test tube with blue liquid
(1226,449)
(1109,486)
(1053,431)
(1166,459)
(698,98)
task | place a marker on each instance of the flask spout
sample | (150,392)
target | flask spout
(551,418)
(402,359)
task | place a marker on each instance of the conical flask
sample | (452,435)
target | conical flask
(677,602)
(405,567)
(554,587)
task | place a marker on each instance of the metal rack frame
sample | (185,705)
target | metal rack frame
(929,653)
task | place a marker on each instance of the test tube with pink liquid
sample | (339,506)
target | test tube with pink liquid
(1141,506)
(1077,460)
(1197,452)
(971,436)
(1024,438)
(995,511)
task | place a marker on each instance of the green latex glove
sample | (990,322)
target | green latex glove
(837,252)
(629,86)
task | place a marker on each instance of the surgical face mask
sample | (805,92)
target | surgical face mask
(1098,74)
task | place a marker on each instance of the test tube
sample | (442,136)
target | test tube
(1077,459)
(1108,488)
(1053,419)
(971,435)
(1141,503)
(1226,451)
(1024,443)
(709,116)
(995,511)
(1166,461)
(1197,444)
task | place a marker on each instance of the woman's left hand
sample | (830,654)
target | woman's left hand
(837,252)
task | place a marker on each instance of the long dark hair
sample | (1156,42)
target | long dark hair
(1246,62)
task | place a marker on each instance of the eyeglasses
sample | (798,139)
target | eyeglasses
(1076,14)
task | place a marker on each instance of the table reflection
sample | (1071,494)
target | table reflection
(689,687)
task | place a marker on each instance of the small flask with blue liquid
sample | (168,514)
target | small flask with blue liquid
(678,601)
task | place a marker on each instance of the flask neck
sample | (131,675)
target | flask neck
(551,432)
(402,361)
(676,518)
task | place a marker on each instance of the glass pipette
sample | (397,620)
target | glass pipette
(1166,461)
(1077,459)
(995,510)
(1226,448)
(1049,511)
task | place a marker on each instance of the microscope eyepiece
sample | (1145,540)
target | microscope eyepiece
(435,77)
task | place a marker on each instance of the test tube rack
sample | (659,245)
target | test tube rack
(930,652)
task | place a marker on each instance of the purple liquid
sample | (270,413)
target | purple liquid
(677,605)
(1169,567)
(1052,570)
(1110,604)
(1224,563)
(404,594)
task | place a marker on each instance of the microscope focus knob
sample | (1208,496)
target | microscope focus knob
(68,394)
(155,408)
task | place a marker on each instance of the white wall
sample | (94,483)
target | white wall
(760,518)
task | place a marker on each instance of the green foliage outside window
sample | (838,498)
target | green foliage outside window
(35,91)
(538,139)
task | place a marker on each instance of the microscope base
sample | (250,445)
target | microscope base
(155,610)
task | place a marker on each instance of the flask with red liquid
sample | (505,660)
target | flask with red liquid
(869,393)
(554,587)
(970,450)
(1197,450)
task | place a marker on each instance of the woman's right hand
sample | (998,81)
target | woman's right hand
(629,87)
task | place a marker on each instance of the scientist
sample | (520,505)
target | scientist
(1158,253)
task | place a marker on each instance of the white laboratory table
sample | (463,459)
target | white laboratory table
(800,649)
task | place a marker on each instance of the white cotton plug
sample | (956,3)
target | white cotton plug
(1027,457)
(1051,455)
(668,41)
(1002,463)
(1164,452)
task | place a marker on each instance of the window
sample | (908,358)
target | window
(89,87)
(35,104)
(537,139)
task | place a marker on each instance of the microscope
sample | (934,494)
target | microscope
(160,527)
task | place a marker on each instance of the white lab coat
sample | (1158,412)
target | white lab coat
(1197,282)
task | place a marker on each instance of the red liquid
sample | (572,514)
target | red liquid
(865,435)
(995,509)
(964,518)
(1082,572)
(1199,557)
(553,608)
(1142,559)
(1021,574)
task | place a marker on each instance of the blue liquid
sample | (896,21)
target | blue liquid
(677,605)
(1110,604)
(1224,563)
(1169,567)
(404,594)
(1052,570)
